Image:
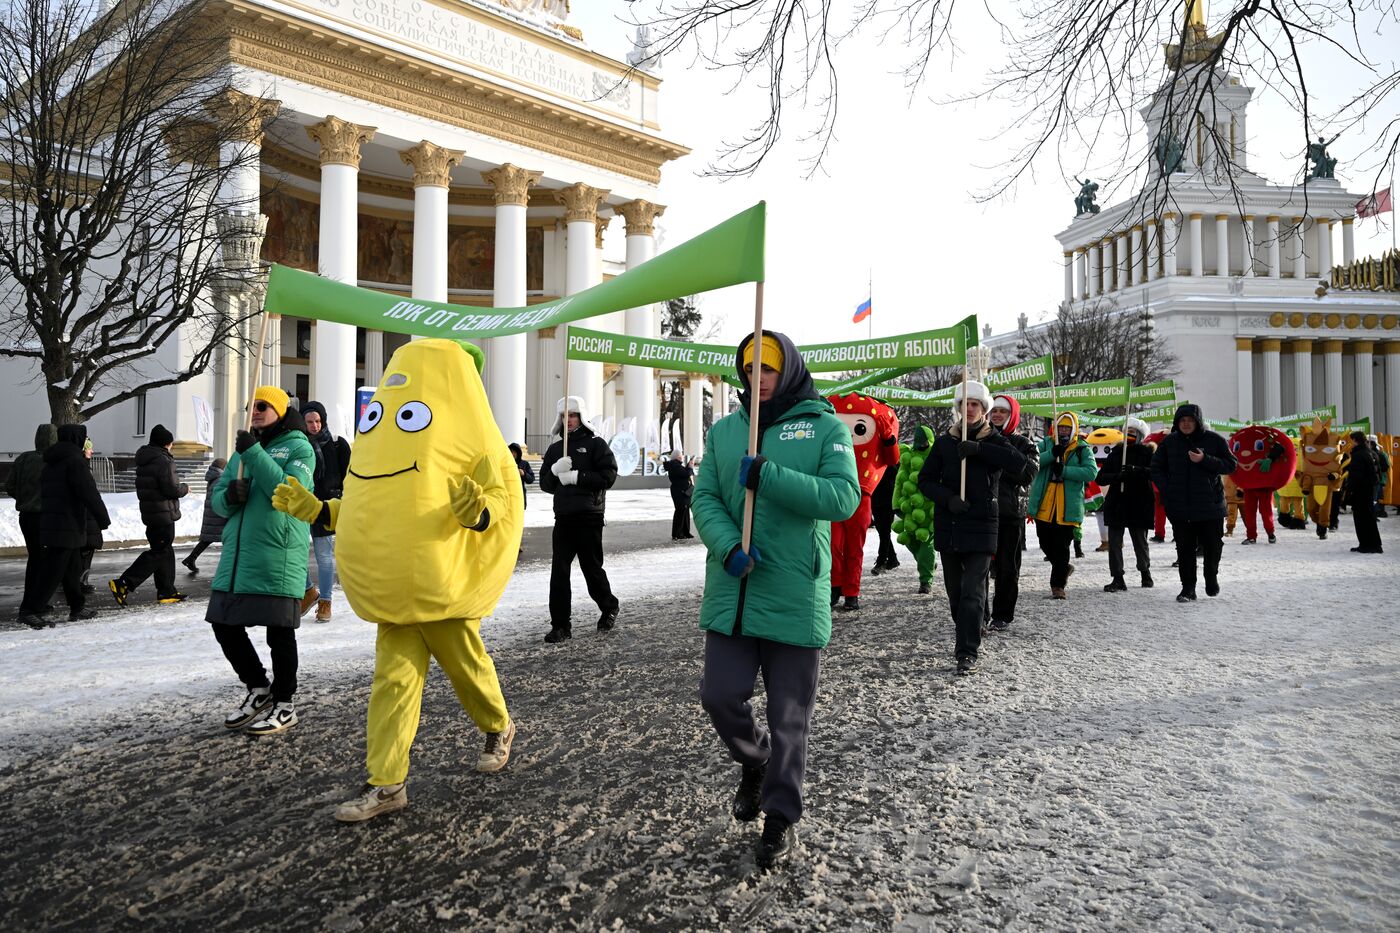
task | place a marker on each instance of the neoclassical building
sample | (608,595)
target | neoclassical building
(466,151)
(1234,268)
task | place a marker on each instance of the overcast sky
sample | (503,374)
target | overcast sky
(896,201)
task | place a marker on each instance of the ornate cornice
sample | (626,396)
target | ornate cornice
(511,184)
(272,43)
(242,115)
(340,140)
(600,224)
(432,164)
(640,216)
(580,202)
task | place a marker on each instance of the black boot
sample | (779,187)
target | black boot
(607,620)
(1212,586)
(558,634)
(777,841)
(1146,580)
(746,797)
(1116,585)
(852,604)
(835,596)
(1078,551)
(1187,595)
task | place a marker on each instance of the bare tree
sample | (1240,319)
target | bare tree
(117,128)
(1093,341)
(1076,71)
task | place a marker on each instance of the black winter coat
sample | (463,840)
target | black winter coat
(1016,484)
(23,483)
(211,527)
(1362,477)
(1129,502)
(527,477)
(882,499)
(69,493)
(680,474)
(597,471)
(158,486)
(1192,492)
(328,477)
(974,531)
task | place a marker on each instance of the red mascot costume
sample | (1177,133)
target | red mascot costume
(875,434)
(1267,460)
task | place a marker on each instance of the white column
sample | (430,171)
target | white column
(1324,248)
(1222,244)
(1302,374)
(1247,229)
(1095,270)
(432,167)
(1069,276)
(506,369)
(638,395)
(1198,263)
(239,121)
(374,357)
(693,424)
(1244,378)
(721,398)
(1153,233)
(1122,260)
(333,382)
(1273,385)
(580,212)
(1299,253)
(1081,261)
(1170,233)
(1272,240)
(1136,273)
(270,373)
(1392,387)
(1332,377)
(1365,382)
(1349,243)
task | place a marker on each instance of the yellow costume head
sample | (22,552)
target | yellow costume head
(404,557)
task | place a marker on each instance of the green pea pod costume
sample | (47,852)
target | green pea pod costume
(915,523)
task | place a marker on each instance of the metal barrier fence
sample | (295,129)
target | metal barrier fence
(104,473)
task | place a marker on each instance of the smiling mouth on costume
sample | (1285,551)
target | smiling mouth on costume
(385,475)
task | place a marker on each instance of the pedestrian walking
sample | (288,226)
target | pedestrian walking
(579,481)
(766,610)
(1363,473)
(211,526)
(1187,467)
(1129,505)
(682,478)
(262,568)
(332,460)
(1057,496)
(159,491)
(23,486)
(1382,473)
(1012,493)
(882,513)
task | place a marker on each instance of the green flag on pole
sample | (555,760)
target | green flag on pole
(728,254)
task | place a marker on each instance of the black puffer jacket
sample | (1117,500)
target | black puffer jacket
(69,493)
(882,499)
(211,527)
(1128,502)
(1192,492)
(597,471)
(158,486)
(23,483)
(974,531)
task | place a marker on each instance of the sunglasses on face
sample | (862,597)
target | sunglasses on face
(261,406)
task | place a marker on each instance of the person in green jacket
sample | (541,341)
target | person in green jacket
(1057,496)
(768,609)
(262,571)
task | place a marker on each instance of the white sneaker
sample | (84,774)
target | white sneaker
(279,718)
(251,708)
(373,802)
(497,751)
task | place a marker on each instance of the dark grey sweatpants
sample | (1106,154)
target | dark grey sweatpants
(732,663)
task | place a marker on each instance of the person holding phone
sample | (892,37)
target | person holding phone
(1187,468)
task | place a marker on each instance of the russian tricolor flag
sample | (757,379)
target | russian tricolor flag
(862,311)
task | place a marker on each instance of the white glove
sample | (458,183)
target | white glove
(562,466)
(569,478)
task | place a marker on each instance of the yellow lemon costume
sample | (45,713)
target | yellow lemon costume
(427,533)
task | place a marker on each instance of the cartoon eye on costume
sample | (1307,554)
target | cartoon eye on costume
(1235,446)
(1329,450)
(370,417)
(1258,445)
(1310,449)
(413,416)
(861,429)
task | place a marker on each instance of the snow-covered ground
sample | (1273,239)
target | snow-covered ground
(1120,762)
(627,505)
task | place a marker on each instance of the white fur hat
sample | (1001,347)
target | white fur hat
(976,391)
(1140,426)
(576,404)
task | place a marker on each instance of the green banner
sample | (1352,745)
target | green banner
(728,254)
(1300,417)
(1080,395)
(1040,369)
(946,346)
(1159,412)
(856,383)
(1163,391)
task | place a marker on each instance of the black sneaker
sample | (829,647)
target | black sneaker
(967,666)
(170,599)
(852,604)
(193,570)
(925,589)
(746,797)
(557,634)
(776,843)
(78,615)
(1249,541)
(1116,585)
(1212,587)
(1273,540)
(1186,596)
(877,570)
(33,621)
(891,565)
(999,625)
(120,591)
(607,620)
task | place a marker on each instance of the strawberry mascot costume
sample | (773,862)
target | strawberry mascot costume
(1267,460)
(875,438)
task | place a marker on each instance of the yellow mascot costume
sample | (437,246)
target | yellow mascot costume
(427,533)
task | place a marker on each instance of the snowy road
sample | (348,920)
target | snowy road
(1120,762)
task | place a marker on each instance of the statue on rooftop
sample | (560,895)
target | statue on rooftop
(1084,201)
(1169,153)
(1324,166)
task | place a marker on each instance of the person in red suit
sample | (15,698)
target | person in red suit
(875,438)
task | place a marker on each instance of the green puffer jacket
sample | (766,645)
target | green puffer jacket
(268,556)
(807,482)
(1079,469)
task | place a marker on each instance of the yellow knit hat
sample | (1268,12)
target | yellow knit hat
(274,397)
(772,354)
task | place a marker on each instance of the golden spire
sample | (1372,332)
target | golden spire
(1199,46)
(1195,15)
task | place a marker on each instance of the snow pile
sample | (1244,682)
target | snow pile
(122,509)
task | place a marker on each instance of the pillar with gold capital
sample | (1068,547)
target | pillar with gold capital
(1332,377)
(1302,374)
(1244,375)
(1095,270)
(638,394)
(1170,235)
(1272,245)
(1348,240)
(581,203)
(1124,260)
(505,356)
(1198,262)
(1152,247)
(1324,247)
(1069,275)
(1136,271)
(1081,264)
(1296,240)
(1273,385)
(334,377)
(1365,380)
(1222,244)
(1250,256)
